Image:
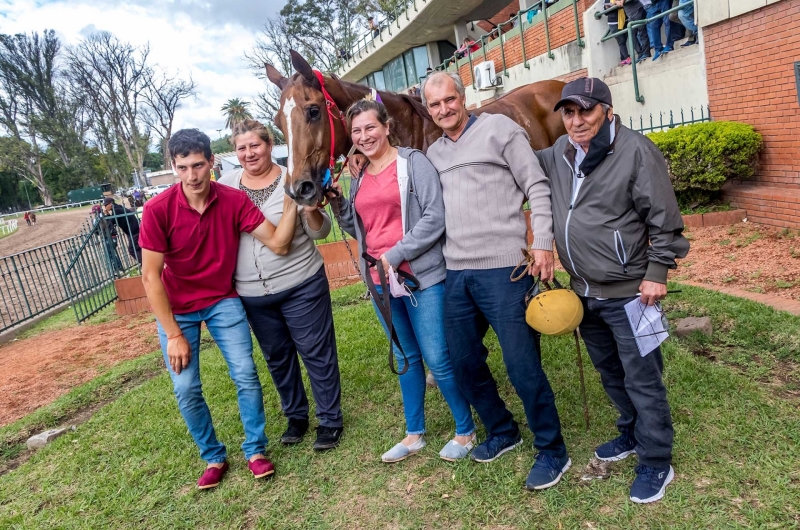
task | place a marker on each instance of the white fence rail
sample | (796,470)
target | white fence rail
(58,207)
(7,227)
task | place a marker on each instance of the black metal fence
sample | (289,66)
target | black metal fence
(670,120)
(80,269)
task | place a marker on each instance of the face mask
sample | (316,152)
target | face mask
(598,148)
(399,289)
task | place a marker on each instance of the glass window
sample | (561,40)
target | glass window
(370,81)
(362,81)
(411,71)
(394,74)
(380,84)
(421,61)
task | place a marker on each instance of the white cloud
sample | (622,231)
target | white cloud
(206,39)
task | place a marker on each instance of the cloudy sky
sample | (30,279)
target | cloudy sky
(206,38)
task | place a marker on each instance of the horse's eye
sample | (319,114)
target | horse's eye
(312,113)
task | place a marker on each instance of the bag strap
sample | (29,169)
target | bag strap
(383,302)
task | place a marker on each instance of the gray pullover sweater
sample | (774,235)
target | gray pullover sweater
(487,175)
(259,271)
(423,219)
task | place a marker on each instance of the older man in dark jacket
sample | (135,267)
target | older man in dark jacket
(618,230)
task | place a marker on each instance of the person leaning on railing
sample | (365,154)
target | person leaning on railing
(635,11)
(127,222)
(617,22)
(653,8)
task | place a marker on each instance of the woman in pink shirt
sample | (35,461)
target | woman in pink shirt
(396,213)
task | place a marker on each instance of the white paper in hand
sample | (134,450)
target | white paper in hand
(646,324)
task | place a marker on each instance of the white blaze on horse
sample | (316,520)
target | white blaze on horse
(312,121)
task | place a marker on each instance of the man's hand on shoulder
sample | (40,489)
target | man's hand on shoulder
(542,265)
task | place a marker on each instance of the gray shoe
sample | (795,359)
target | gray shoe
(401,452)
(455,451)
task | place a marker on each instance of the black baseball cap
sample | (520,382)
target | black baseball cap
(586,92)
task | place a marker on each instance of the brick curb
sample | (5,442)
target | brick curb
(776,302)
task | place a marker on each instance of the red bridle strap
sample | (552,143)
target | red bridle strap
(330,104)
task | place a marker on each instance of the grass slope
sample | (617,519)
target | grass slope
(133,465)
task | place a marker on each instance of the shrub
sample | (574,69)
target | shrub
(703,156)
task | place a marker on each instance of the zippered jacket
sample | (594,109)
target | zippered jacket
(422,210)
(624,225)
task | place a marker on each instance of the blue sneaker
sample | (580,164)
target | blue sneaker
(547,471)
(650,483)
(619,448)
(493,447)
(667,49)
(657,55)
(642,58)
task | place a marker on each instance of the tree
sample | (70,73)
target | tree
(113,76)
(221,145)
(235,111)
(163,96)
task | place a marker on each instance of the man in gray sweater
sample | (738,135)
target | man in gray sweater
(488,171)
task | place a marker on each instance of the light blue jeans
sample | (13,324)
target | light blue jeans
(420,331)
(227,323)
(687,17)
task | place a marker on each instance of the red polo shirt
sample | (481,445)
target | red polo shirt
(200,250)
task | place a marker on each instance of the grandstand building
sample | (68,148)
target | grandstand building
(746,68)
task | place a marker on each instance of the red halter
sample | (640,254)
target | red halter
(330,104)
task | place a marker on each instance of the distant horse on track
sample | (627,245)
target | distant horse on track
(313,129)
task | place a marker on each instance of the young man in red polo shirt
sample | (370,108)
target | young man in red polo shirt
(190,238)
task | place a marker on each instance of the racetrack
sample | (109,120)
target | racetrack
(49,227)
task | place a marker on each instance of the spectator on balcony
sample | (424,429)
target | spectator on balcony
(687,19)
(376,30)
(635,11)
(617,22)
(467,46)
(653,8)
(343,55)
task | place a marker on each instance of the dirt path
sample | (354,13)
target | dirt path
(49,227)
(746,256)
(39,369)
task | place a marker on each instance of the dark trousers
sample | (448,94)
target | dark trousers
(473,301)
(300,321)
(134,249)
(633,382)
(622,42)
(641,42)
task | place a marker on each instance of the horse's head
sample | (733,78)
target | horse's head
(303,118)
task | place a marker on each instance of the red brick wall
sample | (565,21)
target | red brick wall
(749,62)
(502,16)
(562,31)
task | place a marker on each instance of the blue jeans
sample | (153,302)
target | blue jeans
(474,300)
(420,331)
(654,28)
(227,323)
(632,382)
(687,17)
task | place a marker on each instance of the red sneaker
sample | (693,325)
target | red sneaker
(261,467)
(212,477)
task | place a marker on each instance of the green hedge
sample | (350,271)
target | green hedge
(703,156)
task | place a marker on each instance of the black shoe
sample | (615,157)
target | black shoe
(327,437)
(294,431)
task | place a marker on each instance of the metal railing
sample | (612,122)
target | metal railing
(632,25)
(80,269)
(705,115)
(519,21)
(362,43)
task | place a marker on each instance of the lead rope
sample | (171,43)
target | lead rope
(527,261)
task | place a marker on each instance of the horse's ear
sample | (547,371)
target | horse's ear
(302,67)
(275,76)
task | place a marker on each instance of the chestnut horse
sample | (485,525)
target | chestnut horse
(304,119)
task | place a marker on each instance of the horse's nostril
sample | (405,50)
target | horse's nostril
(306,189)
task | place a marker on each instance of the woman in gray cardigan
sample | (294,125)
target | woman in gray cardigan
(396,213)
(287,298)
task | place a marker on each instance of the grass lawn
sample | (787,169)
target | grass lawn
(133,465)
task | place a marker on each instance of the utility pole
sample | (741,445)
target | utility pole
(219,132)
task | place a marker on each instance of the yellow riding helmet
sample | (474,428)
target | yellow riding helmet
(553,311)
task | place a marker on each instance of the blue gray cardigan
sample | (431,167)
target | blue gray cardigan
(423,219)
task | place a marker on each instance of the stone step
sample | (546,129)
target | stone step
(676,59)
